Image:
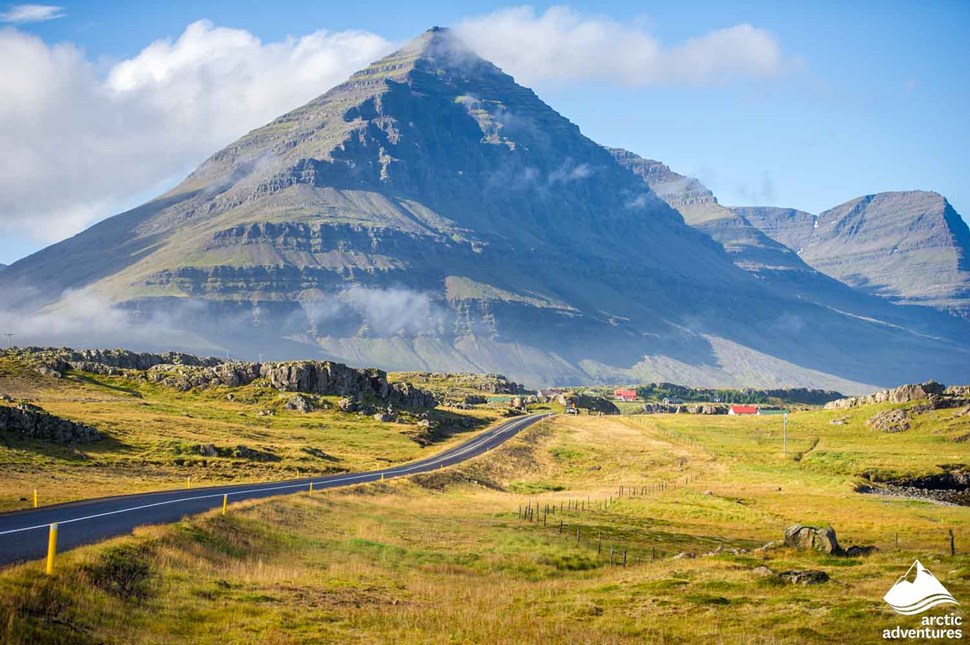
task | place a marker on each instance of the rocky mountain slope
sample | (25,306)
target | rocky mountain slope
(747,246)
(909,247)
(767,242)
(432,214)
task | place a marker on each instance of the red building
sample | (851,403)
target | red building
(625,395)
(743,409)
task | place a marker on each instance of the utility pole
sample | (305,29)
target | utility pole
(9,335)
(784,432)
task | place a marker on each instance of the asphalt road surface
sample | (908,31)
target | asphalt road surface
(23,534)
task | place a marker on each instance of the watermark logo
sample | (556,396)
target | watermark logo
(911,597)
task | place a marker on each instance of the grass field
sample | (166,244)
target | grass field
(153,433)
(446,557)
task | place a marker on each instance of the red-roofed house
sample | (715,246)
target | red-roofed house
(743,409)
(625,395)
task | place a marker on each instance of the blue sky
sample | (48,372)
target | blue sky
(863,97)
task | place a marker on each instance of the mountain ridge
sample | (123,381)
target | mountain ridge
(909,247)
(429,212)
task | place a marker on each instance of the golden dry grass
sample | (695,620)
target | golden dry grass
(440,559)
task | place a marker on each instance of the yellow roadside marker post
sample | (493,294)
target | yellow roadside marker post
(51,548)
(311,487)
(382,476)
(225,503)
(35,498)
(188,482)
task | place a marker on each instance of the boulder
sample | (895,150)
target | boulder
(859,550)
(808,577)
(207,450)
(348,404)
(245,452)
(299,403)
(823,539)
(762,571)
(889,421)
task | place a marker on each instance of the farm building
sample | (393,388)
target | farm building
(743,409)
(625,395)
(672,400)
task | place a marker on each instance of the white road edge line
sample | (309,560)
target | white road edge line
(474,443)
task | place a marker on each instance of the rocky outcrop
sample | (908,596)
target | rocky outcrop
(312,377)
(461,389)
(234,452)
(101,360)
(591,403)
(31,422)
(680,408)
(901,394)
(185,372)
(890,421)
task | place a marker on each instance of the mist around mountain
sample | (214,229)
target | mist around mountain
(431,214)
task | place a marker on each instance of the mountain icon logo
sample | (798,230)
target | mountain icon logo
(910,597)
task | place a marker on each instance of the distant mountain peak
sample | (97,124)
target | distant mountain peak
(910,246)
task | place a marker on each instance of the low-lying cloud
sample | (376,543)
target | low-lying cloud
(384,312)
(83,318)
(561,45)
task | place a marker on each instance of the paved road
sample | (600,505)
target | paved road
(23,534)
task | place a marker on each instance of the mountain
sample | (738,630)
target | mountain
(430,213)
(909,247)
(764,251)
(748,247)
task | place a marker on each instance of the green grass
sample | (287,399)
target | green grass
(153,433)
(438,558)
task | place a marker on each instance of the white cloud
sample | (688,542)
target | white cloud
(562,45)
(81,140)
(78,141)
(21,13)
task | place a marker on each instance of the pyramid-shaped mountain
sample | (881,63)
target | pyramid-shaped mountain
(430,213)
